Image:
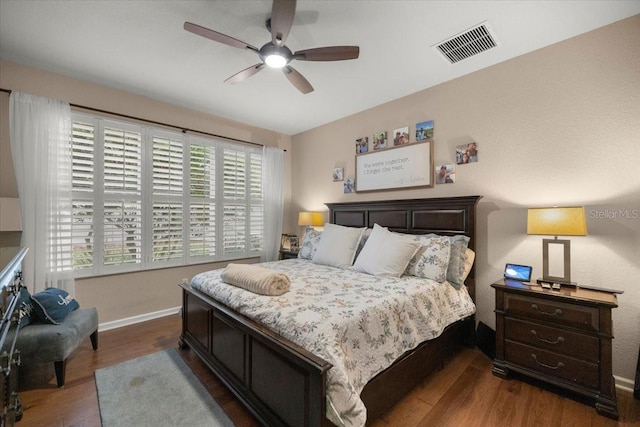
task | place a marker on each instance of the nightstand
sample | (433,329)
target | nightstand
(561,337)
(288,254)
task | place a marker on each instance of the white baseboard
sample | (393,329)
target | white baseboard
(624,383)
(137,319)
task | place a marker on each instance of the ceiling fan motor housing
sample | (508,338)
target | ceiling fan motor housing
(270,49)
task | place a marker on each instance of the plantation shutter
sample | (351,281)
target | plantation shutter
(122,232)
(83,170)
(122,161)
(256,223)
(168,179)
(122,206)
(202,215)
(234,184)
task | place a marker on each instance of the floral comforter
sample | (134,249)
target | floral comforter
(359,323)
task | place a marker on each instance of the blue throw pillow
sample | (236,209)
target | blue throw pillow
(24,307)
(53,305)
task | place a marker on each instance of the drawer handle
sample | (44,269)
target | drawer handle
(557,341)
(559,365)
(556,312)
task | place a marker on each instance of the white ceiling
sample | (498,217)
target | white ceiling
(141,47)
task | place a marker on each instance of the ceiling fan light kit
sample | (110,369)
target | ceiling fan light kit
(275,56)
(274,53)
(275,61)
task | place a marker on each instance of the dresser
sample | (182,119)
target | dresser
(10,283)
(561,336)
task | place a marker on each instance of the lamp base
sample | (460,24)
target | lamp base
(556,272)
(551,282)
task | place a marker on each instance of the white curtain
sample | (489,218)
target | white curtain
(41,149)
(273,191)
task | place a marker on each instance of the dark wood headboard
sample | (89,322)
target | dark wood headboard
(446,215)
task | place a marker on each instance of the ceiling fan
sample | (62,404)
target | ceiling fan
(274,53)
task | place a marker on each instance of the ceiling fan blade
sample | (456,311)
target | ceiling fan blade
(297,80)
(282,14)
(244,74)
(216,36)
(329,53)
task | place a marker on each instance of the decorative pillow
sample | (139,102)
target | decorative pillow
(24,307)
(432,259)
(469,257)
(309,244)
(386,253)
(338,245)
(53,305)
(456,263)
(363,240)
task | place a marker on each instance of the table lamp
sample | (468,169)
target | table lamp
(310,219)
(556,221)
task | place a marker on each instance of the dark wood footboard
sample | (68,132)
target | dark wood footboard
(283,384)
(280,382)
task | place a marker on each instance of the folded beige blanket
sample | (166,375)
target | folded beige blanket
(256,279)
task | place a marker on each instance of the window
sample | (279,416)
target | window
(147,198)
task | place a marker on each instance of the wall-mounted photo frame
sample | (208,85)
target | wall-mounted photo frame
(400,136)
(424,131)
(362,145)
(445,174)
(349,185)
(338,174)
(379,140)
(404,166)
(467,153)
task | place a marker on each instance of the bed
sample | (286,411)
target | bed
(281,382)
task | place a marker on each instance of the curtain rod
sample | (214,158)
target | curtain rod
(182,128)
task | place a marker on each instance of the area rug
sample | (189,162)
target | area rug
(155,390)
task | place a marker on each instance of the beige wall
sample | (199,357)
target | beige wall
(558,126)
(122,296)
(126,295)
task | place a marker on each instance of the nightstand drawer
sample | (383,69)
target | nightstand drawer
(583,317)
(552,364)
(580,346)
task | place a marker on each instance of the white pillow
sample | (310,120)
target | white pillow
(469,257)
(385,253)
(338,245)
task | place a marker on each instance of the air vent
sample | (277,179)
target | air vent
(469,43)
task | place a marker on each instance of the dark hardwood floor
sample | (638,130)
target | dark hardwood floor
(463,393)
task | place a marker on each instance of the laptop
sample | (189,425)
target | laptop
(519,273)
